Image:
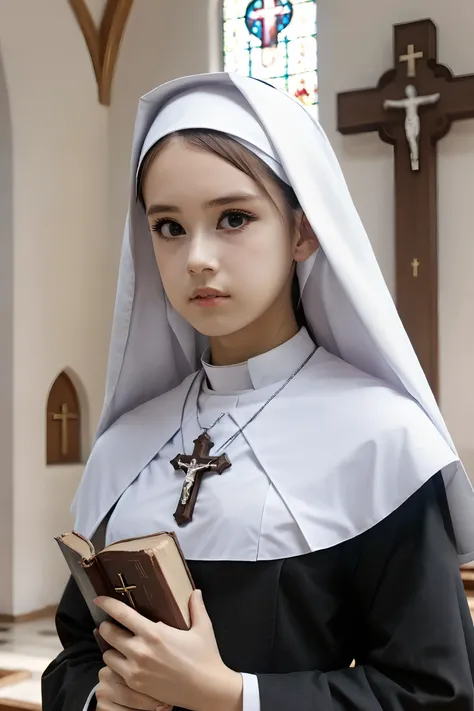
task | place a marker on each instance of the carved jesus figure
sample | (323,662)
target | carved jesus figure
(412,120)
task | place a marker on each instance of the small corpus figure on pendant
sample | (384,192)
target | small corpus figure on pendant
(195,466)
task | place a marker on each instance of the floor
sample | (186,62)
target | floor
(30,646)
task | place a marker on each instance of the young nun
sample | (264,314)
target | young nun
(251,311)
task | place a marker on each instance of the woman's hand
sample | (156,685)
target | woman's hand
(113,694)
(182,668)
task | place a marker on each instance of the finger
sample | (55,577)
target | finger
(107,678)
(111,677)
(124,696)
(106,705)
(113,688)
(116,662)
(124,615)
(197,610)
(117,637)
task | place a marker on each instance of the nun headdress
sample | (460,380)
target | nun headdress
(349,312)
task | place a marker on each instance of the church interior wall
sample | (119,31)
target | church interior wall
(6,346)
(163,40)
(64,209)
(355,48)
(63,294)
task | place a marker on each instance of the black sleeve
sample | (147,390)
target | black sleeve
(69,679)
(414,630)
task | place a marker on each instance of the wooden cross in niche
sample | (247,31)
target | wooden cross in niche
(412,107)
(64,417)
(63,422)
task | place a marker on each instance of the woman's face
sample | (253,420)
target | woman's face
(225,249)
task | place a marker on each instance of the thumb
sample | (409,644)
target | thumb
(197,609)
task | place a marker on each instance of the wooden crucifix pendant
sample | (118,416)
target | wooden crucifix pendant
(195,466)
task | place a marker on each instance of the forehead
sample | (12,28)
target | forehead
(183,170)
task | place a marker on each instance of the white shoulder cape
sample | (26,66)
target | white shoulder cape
(342,448)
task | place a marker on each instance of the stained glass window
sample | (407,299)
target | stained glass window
(274,40)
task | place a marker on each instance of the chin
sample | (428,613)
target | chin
(216,327)
(215,331)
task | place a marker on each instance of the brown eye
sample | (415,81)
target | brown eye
(235,220)
(167,229)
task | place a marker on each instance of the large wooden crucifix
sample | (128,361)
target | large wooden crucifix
(412,107)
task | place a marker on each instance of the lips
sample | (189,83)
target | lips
(206,294)
(208,297)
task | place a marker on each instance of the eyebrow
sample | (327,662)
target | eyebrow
(224,200)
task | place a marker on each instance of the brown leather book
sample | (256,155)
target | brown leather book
(150,574)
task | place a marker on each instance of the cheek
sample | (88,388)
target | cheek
(168,261)
(170,273)
(263,260)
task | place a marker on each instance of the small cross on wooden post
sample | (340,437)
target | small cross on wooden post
(415,264)
(195,466)
(412,113)
(410,57)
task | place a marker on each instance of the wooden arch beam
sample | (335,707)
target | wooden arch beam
(103,42)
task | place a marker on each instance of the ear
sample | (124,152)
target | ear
(306,241)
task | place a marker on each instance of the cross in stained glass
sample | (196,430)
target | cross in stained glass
(267,18)
(275,41)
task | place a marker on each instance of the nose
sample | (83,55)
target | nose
(202,254)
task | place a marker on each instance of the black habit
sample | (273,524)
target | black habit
(391,599)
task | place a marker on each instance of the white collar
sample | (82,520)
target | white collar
(262,370)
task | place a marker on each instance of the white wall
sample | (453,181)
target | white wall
(165,39)
(6,347)
(355,45)
(70,188)
(62,267)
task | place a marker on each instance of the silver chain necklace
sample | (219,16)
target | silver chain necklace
(218,419)
(231,439)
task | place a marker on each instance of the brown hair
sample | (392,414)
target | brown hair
(229,150)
